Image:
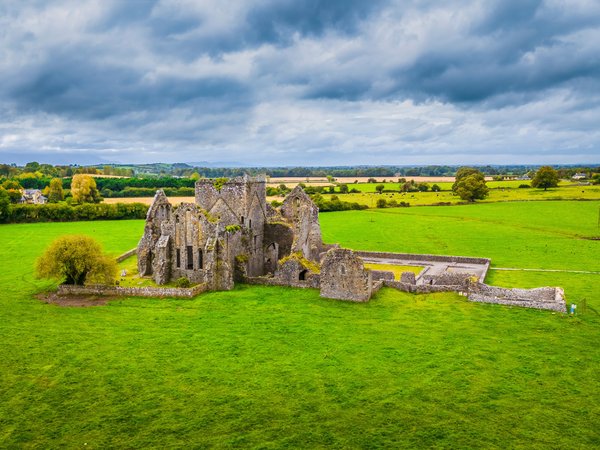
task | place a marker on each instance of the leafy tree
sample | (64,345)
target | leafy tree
(76,259)
(4,204)
(343,188)
(55,191)
(380,187)
(381,203)
(423,187)
(545,177)
(14,190)
(464,172)
(84,190)
(435,188)
(470,184)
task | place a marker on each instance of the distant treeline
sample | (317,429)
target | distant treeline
(185,170)
(62,212)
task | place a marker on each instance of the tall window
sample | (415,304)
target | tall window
(190,257)
(200,259)
(178,258)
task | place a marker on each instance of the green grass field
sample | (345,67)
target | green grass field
(566,191)
(278,367)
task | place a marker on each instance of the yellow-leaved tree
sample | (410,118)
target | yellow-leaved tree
(76,259)
(84,190)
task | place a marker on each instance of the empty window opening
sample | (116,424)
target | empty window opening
(200,262)
(242,220)
(190,257)
(255,240)
(297,201)
(249,223)
(178,259)
(302,275)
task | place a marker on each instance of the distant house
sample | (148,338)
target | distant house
(579,176)
(524,178)
(33,196)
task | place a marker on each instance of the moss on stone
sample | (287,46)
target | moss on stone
(307,264)
(218,183)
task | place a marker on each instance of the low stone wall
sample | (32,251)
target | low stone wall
(126,255)
(415,257)
(551,298)
(448,279)
(377,285)
(421,288)
(381,275)
(310,282)
(67,289)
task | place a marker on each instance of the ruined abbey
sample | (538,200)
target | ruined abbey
(231,234)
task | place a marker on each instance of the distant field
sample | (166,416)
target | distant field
(498,194)
(148,200)
(350,180)
(500,191)
(277,367)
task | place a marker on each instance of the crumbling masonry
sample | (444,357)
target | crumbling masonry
(230,233)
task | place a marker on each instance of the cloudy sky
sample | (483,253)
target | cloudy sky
(300,82)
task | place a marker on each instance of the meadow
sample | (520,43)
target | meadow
(500,191)
(279,367)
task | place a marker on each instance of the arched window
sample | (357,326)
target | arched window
(302,275)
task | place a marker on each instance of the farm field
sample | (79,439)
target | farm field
(567,192)
(369,197)
(279,367)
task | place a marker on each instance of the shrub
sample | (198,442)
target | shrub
(182,282)
(524,186)
(381,203)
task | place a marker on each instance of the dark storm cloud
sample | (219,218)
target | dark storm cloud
(260,79)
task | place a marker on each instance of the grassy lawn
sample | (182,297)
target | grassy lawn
(279,367)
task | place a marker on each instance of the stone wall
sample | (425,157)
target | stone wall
(67,289)
(381,275)
(551,298)
(126,255)
(311,281)
(421,288)
(448,279)
(303,215)
(344,277)
(415,257)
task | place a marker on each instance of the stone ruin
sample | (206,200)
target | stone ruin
(231,234)
(344,277)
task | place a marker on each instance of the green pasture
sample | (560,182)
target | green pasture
(566,191)
(272,367)
(447,185)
